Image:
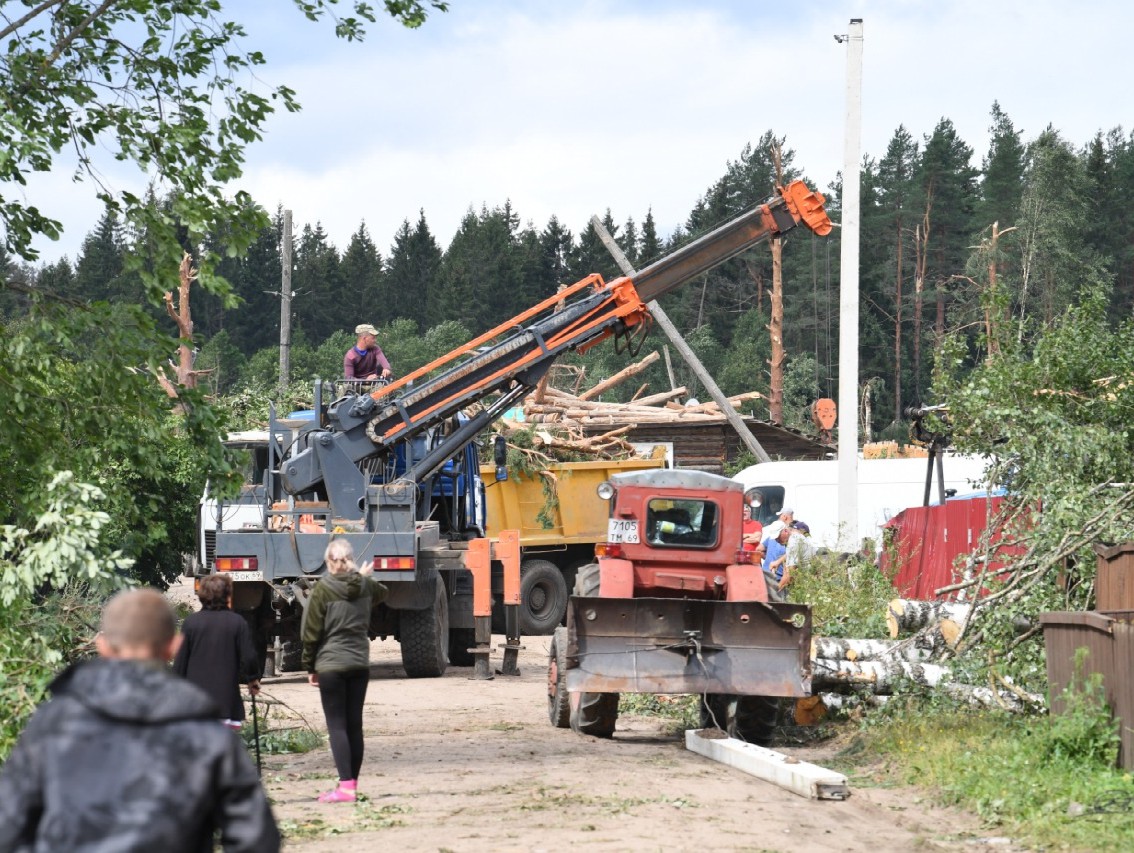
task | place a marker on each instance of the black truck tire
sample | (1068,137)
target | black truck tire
(748,718)
(424,636)
(543,597)
(594,714)
(558,702)
(460,641)
(291,656)
(260,625)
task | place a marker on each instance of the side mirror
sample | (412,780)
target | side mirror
(500,457)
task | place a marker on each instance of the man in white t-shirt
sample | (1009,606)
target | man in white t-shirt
(800,549)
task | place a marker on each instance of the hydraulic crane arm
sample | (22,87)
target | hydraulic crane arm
(513,357)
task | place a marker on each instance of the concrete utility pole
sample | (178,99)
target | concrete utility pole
(848,294)
(285,303)
(679,344)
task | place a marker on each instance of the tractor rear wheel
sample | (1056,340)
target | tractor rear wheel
(558,705)
(594,714)
(748,718)
(587,581)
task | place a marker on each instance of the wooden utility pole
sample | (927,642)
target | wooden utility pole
(285,302)
(670,330)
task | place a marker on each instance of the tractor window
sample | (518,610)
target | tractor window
(681,523)
(768,501)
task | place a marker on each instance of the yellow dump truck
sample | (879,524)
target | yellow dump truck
(557,536)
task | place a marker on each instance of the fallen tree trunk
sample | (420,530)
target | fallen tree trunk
(849,648)
(880,676)
(985,697)
(620,376)
(910,615)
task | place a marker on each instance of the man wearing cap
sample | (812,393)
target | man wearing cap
(365,360)
(798,551)
(785,519)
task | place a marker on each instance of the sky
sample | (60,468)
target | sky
(575,108)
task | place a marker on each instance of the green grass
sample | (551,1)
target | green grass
(1029,778)
(1050,782)
(1047,782)
(278,734)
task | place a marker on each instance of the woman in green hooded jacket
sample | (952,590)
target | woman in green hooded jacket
(336,655)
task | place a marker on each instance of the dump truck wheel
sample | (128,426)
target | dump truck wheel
(587,581)
(748,718)
(460,641)
(424,636)
(594,714)
(543,597)
(558,704)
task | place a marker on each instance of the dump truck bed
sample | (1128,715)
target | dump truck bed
(578,517)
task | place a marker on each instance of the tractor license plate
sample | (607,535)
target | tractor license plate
(245,576)
(622,530)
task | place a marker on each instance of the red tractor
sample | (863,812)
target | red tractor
(675,605)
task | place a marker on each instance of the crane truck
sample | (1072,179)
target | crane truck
(394,468)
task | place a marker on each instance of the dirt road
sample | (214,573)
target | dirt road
(454,764)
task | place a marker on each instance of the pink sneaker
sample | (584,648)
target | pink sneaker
(339,795)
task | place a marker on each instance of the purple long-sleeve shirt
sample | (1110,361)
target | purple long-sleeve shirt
(358,364)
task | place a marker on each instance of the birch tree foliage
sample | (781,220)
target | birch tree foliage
(167,86)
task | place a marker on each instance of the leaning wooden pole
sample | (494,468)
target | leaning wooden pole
(663,321)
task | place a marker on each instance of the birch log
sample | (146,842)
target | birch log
(849,648)
(877,675)
(910,615)
(848,702)
(986,697)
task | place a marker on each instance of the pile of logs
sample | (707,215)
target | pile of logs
(847,673)
(562,418)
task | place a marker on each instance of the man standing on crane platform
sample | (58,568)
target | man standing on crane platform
(365,360)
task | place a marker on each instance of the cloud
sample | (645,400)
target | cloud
(571,109)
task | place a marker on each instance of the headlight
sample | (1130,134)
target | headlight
(605,490)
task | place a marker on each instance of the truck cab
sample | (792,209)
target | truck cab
(678,534)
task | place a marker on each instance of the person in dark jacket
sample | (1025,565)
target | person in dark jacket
(336,654)
(127,756)
(216,651)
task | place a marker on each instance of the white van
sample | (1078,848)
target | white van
(885,488)
(246,509)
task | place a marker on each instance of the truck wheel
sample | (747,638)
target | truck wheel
(498,626)
(558,706)
(543,597)
(587,581)
(594,714)
(260,627)
(291,656)
(748,718)
(460,641)
(424,636)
